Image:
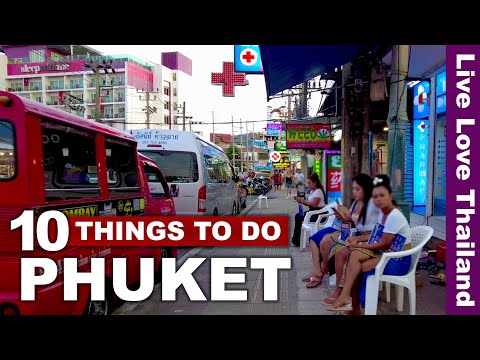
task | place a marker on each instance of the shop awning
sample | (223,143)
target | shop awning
(285,66)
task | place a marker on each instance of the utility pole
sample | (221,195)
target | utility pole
(289,106)
(97,96)
(213,127)
(241,146)
(397,123)
(96,67)
(348,148)
(183,116)
(233,145)
(253,145)
(248,154)
(148,109)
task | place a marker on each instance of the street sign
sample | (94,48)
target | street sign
(275,156)
(247,59)
(282,164)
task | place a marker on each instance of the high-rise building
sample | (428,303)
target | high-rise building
(65,76)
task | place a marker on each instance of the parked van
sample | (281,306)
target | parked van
(53,160)
(200,177)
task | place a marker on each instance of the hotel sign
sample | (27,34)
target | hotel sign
(42,68)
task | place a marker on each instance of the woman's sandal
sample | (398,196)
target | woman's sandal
(329,301)
(314,281)
(342,307)
(306,278)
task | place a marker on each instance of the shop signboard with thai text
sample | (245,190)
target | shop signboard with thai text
(334,177)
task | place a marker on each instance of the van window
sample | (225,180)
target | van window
(7,151)
(121,167)
(68,162)
(176,166)
(217,164)
(155,179)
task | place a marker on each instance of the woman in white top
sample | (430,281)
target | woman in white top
(362,215)
(395,236)
(315,201)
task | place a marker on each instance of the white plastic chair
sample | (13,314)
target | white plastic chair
(420,236)
(309,228)
(259,201)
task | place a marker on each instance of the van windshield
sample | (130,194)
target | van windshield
(176,166)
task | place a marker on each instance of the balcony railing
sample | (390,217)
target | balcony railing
(35,88)
(56,87)
(74,86)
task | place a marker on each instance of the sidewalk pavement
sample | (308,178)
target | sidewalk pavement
(430,298)
(294,297)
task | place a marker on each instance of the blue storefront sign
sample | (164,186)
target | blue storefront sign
(247,59)
(334,197)
(421,92)
(259,143)
(420,167)
(441,107)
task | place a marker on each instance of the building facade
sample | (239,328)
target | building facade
(67,77)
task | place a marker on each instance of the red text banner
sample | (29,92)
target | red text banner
(178,231)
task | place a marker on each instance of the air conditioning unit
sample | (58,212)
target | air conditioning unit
(89,117)
(49,87)
(55,103)
(116,115)
(36,87)
(9,89)
(77,86)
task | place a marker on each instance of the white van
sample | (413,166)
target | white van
(199,174)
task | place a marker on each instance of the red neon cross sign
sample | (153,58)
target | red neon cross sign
(229,79)
(248,56)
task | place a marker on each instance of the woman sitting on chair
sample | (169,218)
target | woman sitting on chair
(362,215)
(391,233)
(315,201)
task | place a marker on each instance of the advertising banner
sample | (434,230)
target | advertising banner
(308,136)
(274,129)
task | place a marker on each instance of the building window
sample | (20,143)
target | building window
(17,86)
(56,85)
(7,151)
(166,119)
(37,55)
(174,91)
(76,84)
(38,99)
(53,100)
(35,85)
(166,90)
(56,57)
(166,105)
(174,76)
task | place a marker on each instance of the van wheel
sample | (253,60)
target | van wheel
(234,211)
(101,307)
(166,253)
(215,212)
